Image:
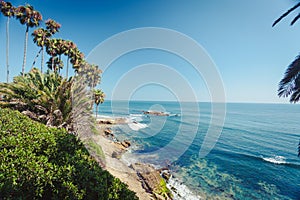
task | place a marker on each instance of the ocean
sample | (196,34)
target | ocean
(255,156)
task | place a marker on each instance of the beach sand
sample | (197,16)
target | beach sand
(116,167)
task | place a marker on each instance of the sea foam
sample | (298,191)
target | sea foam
(276,160)
(181,191)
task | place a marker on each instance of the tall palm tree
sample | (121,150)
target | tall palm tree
(31,18)
(9,11)
(98,98)
(51,49)
(52,26)
(76,59)
(69,48)
(40,38)
(55,48)
(62,48)
(55,64)
(90,74)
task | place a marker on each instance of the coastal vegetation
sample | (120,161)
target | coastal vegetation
(46,120)
(42,162)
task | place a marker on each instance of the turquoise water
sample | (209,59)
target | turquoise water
(255,156)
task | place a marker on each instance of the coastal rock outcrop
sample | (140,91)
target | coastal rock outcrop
(151,181)
(156,113)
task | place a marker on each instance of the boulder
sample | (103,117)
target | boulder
(151,180)
(108,132)
(166,174)
(126,143)
(156,113)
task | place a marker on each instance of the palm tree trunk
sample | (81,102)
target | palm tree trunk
(36,57)
(52,67)
(96,111)
(59,60)
(42,60)
(7,50)
(67,72)
(25,50)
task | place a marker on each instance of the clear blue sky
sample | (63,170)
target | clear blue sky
(251,56)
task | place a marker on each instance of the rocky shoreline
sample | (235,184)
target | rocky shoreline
(144,179)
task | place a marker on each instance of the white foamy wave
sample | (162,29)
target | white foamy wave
(135,118)
(276,160)
(137,126)
(181,191)
(104,117)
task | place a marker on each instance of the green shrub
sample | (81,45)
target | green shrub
(37,162)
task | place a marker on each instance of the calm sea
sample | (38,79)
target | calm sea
(255,156)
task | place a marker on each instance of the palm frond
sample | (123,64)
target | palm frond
(285,14)
(295,19)
(287,83)
(295,96)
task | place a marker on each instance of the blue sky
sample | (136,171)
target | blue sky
(250,55)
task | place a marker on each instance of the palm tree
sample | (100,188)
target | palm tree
(50,99)
(43,97)
(98,98)
(51,49)
(9,11)
(62,48)
(52,26)
(290,83)
(31,18)
(55,64)
(40,38)
(91,74)
(69,49)
(76,58)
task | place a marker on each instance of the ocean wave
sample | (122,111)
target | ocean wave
(279,160)
(137,126)
(181,191)
(276,160)
(104,117)
(135,118)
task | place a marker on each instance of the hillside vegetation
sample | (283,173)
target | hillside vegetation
(38,162)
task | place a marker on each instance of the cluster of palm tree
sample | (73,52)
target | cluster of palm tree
(41,37)
(48,97)
(58,47)
(27,16)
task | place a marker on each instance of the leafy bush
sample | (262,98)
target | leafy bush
(38,162)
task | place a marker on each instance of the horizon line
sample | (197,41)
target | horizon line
(229,102)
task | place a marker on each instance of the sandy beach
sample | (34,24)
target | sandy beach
(119,169)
